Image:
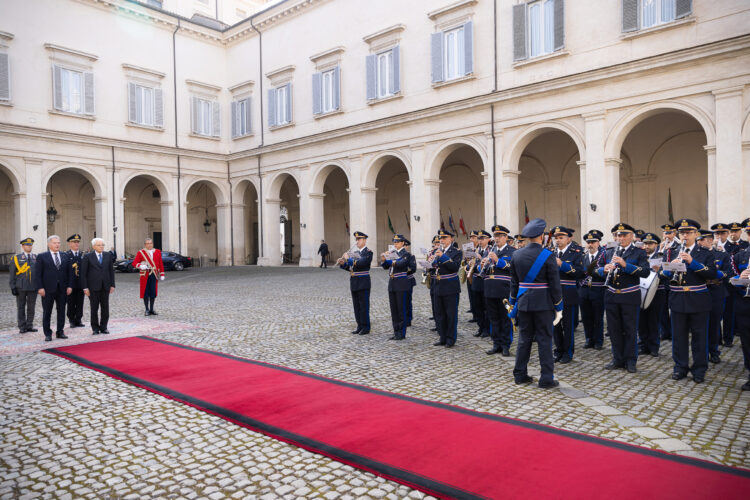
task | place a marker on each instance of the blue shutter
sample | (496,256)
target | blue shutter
(271,108)
(216,119)
(468,48)
(248,115)
(235,119)
(520,51)
(371,81)
(683,8)
(630,15)
(57,87)
(396,70)
(289,103)
(4,77)
(559,23)
(317,84)
(436,42)
(337,87)
(88,93)
(158,108)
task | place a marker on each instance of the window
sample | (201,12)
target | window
(206,117)
(541,28)
(328,91)
(73,91)
(641,14)
(383,74)
(538,28)
(145,105)
(655,12)
(4,77)
(452,53)
(280,105)
(282,94)
(241,114)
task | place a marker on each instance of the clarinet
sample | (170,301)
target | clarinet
(485,261)
(677,278)
(612,274)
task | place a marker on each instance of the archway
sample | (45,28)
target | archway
(249,224)
(549,181)
(462,190)
(8,215)
(336,221)
(392,207)
(662,154)
(71,206)
(146,214)
(202,223)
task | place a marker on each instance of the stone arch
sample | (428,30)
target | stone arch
(161,184)
(435,164)
(16,180)
(626,124)
(218,190)
(239,187)
(533,131)
(96,183)
(321,174)
(373,168)
(274,186)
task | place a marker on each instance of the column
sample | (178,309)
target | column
(313,230)
(507,198)
(180,216)
(223,235)
(103,212)
(239,224)
(168,223)
(368,219)
(271,233)
(355,194)
(35,205)
(20,222)
(419,201)
(728,174)
(602,178)
(584,199)
(431,208)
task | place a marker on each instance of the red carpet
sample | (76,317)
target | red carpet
(443,450)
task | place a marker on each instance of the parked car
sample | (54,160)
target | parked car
(172,262)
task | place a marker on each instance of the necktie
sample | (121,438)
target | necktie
(100,257)
(57,261)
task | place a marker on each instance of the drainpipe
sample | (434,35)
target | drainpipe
(262,138)
(114,204)
(492,116)
(231,216)
(176,144)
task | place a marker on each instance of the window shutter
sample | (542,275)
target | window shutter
(436,42)
(194,106)
(317,84)
(468,48)
(216,119)
(248,115)
(519,32)
(57,87)
(132,109)
(370,63)
(630,15)
(158,108)
(559,24)
(289,103)
(235,119)
(4,77)
(337,87)
(271,108)
(396,69)
(682,8)
(88,92)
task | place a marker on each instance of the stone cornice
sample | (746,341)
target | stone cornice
(57,49)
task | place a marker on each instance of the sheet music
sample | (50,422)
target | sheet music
(677,267)
(424,264)
(654,262)
(467,247)
(391,256)
(470,254)
(424,251)
(740,281)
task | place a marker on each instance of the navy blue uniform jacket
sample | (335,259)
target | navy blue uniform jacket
(447,265)
(357,283)
(542,299)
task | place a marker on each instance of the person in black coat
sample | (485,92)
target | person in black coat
(690,303)
(323,251)
(51,276)
(477,285)
(740,269)
(496,274)
(359,283)
(718,289)
(536,297)
(399,285)
(446,261)
(591,291)
(648,322)
(569,260)
(74,302)
(98,282)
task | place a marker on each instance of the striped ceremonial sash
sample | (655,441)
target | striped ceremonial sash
(695,288)
(533,286)
(497,277)
(630,289)
(398,275)
(446,276)
(568,282)
(360,273)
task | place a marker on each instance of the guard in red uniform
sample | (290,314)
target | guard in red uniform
(148,262)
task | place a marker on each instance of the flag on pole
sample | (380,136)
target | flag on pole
(390,224)
(408,224)
(450,222)
(442,224)
(461,223)
(525,212)
(669,207)
(347,225)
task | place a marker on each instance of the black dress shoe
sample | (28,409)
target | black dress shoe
(364,332)
(632,369)
(654,354)
(715,359)
(22,330)
(472,320)
(565,360)
(746,386)
(678,376)
(95,332)
(697,380)
(48,338)
(105,331)
(728,344)
(524,380)
(557,358)
(612,366)
(494,350)
(61,336)
(80,325)
(147,313)
(598,347)
(153,313)
(433,329)
(485,335)
(355,332)
(395,337)
(469,311)
(643,351)
(431,318)
(439,342)
(588,345)
(478,334)
(506,352)
(549,385)
(449,344)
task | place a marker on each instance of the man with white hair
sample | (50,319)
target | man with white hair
(51,276)
(98,282)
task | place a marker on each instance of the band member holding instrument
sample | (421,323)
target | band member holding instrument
(591,292)
(624,267)
(669,243)
(718,289)
(412,284)
(74,304)
(690,302)
(148,262)
(447,260)
(536,298)
(496,272)
(477,284)
(474,238)
(740,269)
(431,281)
(358,264)
(399,284)
(568,257)
(648,323)
(732,246)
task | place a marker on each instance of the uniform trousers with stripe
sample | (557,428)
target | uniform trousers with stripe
(535,326)
(690,333)
(501,329)
(592,315)
(564,333)
(361,301)
(742,326)
(648,326)
(399,302)
(714,318)
(446,309)
(622,320)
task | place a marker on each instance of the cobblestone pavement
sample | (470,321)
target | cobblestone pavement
(70,432)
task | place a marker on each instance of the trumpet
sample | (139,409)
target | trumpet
(678,276)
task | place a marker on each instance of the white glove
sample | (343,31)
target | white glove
(143,266)
(162,279)
(558,318)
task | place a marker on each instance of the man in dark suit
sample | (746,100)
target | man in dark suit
(98,282)
(496,273)
(358,262)
(74,303)
(570,261)
(323,251)
(52,281)
(591,292)
(447,260)
(536,297)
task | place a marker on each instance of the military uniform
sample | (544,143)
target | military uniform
(477,287)
(496,289)
(535,302)
(359,284)
(648,322)
(22,286)
(447,292)
(431,272)
(622,300)
(410,294)
(571,271)
(399,287)
(665,323)
(474,237)
(729,318)
(74,303)
(690,306)
(739,264)
(591,294)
